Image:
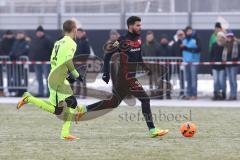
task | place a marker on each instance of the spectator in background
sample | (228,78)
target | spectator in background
(40,50)
(83,52)
(166,70)
(7,43)
(113,36)
(164,48)
(20,46)
(15,77)
(5,48)
(150,49)
(191,53)
(231,53)
(218,71)
(177,52)
(83,47)
(177,42)
(213,38)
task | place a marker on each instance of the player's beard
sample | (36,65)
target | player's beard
(137,32)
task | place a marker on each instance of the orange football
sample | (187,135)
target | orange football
(188,129)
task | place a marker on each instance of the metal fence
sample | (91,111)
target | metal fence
(14,75)
(167,75)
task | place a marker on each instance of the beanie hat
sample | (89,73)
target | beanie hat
(40,28)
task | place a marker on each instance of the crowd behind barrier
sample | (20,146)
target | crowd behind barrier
(167,76)
(174,62)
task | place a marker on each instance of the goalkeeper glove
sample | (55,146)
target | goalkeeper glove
(71,79)
(106,77)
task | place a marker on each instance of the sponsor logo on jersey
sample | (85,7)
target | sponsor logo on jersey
(135,49)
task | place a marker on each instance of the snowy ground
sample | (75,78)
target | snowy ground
(31,134)
(203,102)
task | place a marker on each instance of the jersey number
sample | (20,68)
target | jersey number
(56,52)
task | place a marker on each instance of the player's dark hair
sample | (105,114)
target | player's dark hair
(68,26)
(131,20)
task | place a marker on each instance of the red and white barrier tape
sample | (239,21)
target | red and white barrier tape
(192,63)
(147,62)
(24,62)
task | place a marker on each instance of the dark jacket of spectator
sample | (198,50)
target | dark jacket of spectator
(150,49)
(7,43)
(164,51)
(41,47)
(176,43)
(216,56)
(83,47)
(20,48)
(176,48)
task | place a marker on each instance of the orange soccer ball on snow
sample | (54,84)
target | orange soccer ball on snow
(188,129)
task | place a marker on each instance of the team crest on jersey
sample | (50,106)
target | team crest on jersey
(139,41)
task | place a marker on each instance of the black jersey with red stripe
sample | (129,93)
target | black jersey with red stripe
(129,49)
(130,44)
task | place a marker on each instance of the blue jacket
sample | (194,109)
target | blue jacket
(191,51)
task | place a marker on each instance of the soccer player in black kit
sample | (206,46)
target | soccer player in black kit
(129,50)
